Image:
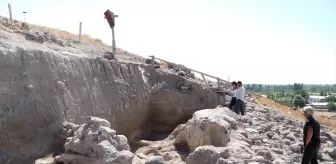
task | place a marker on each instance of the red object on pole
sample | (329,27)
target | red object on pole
(110,18)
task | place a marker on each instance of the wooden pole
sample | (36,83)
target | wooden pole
(113,44)
(80,32)
(153,60)
(24,16)
(10,12)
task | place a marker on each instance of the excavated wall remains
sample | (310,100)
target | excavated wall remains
(42,87)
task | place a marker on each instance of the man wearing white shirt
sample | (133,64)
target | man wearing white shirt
(240,97)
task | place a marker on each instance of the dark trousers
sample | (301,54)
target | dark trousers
(310,154)
(239,107)
(232,103)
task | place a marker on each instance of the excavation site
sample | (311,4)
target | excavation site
(70,102)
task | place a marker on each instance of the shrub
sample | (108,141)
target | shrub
(299,101)
(331,107)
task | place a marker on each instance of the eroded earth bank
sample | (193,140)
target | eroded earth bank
(45,81)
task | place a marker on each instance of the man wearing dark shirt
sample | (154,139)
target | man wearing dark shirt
(233,99)
(311,137)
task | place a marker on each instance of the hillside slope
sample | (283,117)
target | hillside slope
(328,121)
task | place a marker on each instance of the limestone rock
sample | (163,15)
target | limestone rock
(258,159)
(286,141)
(326,157)
(291,137)
(258,143)
(207,127)
(265,154)
(94,142)
(29,87)
(155,160)
(332,152)
(32,37)
(278,161)
(207,155)
(239,151)
(278,151)
(45,161)
(109,56)
(295,148)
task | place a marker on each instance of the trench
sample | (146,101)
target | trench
(163,118)
(162,110)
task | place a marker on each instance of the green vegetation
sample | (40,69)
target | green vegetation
(331,98)
(331,107)
(286,94)
(299,101)
(315,89)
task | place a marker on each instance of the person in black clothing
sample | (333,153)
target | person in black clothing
(233,99)
(311,137)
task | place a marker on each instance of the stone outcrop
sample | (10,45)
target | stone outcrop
(94,143)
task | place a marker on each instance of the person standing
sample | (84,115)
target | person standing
(240,97)
(233,99)
(311,137)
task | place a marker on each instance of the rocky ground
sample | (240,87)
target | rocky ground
(211,136)
(219,136)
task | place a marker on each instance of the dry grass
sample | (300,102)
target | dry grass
(328,121)
(164,64)
(67,35)
(17,27)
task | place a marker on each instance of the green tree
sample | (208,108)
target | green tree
(299,101)
(321,94)
(331,107)
(297,86)
(331,98)
(303,93)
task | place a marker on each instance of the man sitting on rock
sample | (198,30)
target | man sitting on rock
(311,137)
(240,97)
(233,99)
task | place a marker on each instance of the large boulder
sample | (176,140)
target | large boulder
(94,142)
(208,127)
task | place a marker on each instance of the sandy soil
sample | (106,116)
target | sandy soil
(325,118)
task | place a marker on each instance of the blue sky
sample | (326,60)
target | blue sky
(255,41)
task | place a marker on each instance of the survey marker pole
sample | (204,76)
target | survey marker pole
(24,16)
(10,12)
(80,32)
(113,43)
(110,17)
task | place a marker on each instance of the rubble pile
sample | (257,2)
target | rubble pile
(219,136)
(94,143)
